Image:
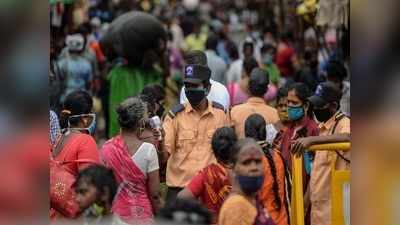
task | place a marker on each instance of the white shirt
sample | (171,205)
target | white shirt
(235,71)
(217,66)
(218,93)
(146,158)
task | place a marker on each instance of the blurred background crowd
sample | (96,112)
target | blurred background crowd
(102,54)
(292,40)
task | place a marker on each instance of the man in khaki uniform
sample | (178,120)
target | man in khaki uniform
(326,102)
(188,130)
(258,86)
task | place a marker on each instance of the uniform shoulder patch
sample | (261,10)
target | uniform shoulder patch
(218,106)
(175,110)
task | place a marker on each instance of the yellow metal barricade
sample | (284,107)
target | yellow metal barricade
(340,187)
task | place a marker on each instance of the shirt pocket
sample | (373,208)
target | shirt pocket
(209,135)
(186,141)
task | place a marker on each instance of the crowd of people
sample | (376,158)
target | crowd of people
(198,122)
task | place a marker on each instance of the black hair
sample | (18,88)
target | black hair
(100,177)
(232,50)
(303,93)
(150,103)
(222,142)
(212,42)
(249,64)
(154,91)
(258,82)
(282,93)
(76,103)
(287,36)
(170,35)
(267,47)
(196,57)
(248,44)
(335,68)
(255,127)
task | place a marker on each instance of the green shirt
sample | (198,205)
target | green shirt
(126,82)
(273,71)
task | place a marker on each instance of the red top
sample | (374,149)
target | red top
(79,146)
(211,185)
(293,132)
(284,60)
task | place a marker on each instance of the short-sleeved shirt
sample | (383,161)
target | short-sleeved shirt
(211,185)
(320,183)
(237,210)
(188,141)
(79,146)
(218,93)
(146,158)
(241,112)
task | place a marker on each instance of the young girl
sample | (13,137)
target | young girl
(212,184)
(95,189)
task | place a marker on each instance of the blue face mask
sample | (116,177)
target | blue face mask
(250,185)
(267,59)
(295,112)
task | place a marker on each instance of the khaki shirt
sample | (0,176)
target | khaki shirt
(188,141)
(320,182)
(241,112)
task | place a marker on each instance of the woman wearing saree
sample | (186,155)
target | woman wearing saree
(135,165)
(212,184)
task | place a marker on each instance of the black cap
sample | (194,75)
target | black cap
(196,57)
(325,93)
(196,74)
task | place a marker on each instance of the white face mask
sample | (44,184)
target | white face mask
(91,129)
(271,133)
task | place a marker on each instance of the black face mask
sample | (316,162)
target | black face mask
(195,95)
(322,115)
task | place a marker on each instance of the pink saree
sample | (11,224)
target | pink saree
(132,203)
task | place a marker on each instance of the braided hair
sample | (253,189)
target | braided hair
(255,127)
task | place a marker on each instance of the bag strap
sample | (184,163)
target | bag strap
(337,120)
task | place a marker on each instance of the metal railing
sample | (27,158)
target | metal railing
(339,177)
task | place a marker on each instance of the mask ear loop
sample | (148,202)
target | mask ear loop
(141,128)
